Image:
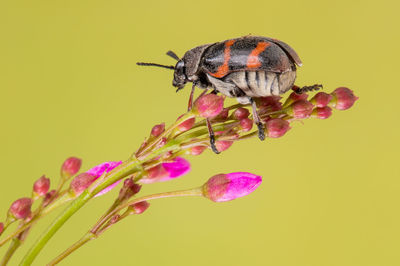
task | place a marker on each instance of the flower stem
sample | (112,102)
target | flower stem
(116,174)
(96,230)
(15,243)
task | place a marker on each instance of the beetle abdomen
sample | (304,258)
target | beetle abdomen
(262,83)
(247,53)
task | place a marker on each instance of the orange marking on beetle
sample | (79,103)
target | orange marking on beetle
(224,69)
(252,60)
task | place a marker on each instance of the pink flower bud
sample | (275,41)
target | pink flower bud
(81,182)
(300,109)
(208,105)
(240,113)
(322,112)
(223,115)
(84,180)
(321,99)
(344,98)
(197,150)
(129,189)
(157,130)
(246,124)
(223,145)
(140,207)
(41,186)
(167,171)
(186,125)
(225,187)
(21,208)
(70,167)
(1,228)
(277,127)
(271,103)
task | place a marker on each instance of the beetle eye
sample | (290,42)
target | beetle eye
(180,67)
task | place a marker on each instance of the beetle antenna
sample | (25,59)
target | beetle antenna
(153,64)
(173,55)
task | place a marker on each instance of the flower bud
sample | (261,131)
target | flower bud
(208,105)
(294,97)
(223,115)
(81,182)
(1,228)
(70,167)
(129,189)
(167,171)
(223,145)
(21,208)
(271,103)
(140,207)
(41,186)
(277,127)
(157,130)
(240,113)
(321,99)
(322,112)
(300,109)
(343,98)
(225,187)
(186,125)
(197,150)
(246,124)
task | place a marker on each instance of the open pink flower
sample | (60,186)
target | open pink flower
(225,187)
(84,180)
(167,171)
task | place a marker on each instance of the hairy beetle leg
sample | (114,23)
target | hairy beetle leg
(257,121)
(212,136)
(304,89)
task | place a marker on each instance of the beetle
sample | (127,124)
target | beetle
(244,68)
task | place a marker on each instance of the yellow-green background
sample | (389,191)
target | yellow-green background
(330,194)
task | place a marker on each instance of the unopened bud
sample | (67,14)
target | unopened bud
(208,105)
(225,187)
(294,97)
(81,182)
(129,189)
(223,115)
(186,125)
(1,228)
(140,207)
(322,112)
(240,113)
(277,127)
(246,124)
(223,145)
(70,167)
(41,186)
(300,109)
(321,99)
(271,103)
(196,150)
(343,98)
(21,208)
(157,130)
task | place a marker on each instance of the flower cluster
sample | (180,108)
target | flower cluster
(160,158)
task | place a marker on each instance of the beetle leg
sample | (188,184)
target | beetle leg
(304,89)
(257,121)
(190,104)
(212,136)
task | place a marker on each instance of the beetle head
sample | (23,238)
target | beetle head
(180,77)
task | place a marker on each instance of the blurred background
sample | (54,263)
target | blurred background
(330,194)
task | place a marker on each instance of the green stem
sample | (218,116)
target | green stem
(10,252)
(118,173)
(95,232)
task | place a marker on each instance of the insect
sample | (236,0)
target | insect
(244,68)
